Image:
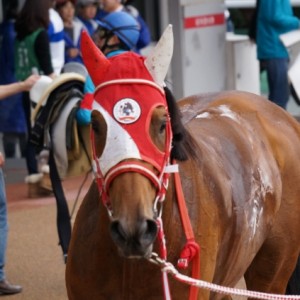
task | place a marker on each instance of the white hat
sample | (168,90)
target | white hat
(38,88)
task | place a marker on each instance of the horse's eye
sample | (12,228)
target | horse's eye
(95,126)
(162,127)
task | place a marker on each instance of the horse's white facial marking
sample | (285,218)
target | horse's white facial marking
(119,144)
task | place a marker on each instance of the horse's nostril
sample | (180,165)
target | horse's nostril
(117,232)
(137,240)
(149,233)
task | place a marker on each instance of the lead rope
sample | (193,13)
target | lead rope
(169,268)
(163,255)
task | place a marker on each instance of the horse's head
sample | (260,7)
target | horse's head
(131,138)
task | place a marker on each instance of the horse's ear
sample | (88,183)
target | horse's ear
(95,61)
(159,59)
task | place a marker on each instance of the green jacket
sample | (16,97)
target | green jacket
(26,62)
(274,18)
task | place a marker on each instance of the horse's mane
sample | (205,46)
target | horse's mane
(184,146)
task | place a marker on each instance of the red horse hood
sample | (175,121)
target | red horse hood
(126,96)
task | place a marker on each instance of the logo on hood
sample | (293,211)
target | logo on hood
(126,111)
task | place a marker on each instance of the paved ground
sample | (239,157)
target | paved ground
(34,259)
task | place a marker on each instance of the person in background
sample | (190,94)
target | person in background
(72,30)
(5,287)
(12,124)
(109,6)
(117,33)
(86,12)
(56,38)
(32,55)
(273,18)
(229,23)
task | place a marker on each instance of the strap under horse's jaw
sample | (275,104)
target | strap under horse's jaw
(132,166)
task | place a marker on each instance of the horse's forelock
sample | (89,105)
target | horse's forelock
(183,143)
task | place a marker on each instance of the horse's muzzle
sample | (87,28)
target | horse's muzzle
(135,243)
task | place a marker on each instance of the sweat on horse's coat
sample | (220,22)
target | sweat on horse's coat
(241,186)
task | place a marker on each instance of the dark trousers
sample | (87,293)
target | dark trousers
(11,140)
(277,74)
(30,153)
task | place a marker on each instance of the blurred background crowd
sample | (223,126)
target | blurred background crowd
(40,38)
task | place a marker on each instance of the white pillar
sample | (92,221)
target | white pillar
(198,64)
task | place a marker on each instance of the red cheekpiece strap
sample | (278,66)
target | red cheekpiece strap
(191,250)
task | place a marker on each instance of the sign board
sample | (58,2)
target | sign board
(204,47)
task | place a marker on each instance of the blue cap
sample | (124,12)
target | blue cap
(123,25)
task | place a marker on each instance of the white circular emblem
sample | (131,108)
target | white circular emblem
(127,111)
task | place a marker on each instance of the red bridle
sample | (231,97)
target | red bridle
(158,177)
(160,181)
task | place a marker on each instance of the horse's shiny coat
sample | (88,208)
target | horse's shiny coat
(243,196)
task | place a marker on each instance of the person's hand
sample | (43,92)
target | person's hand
(73,52)
(30,81)
(1,159)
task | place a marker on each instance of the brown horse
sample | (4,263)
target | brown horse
(239,164)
